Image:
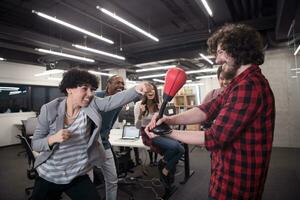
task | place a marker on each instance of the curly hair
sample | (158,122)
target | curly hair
(240,41)
(77,77)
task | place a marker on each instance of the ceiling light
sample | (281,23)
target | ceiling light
(155,63)
(65,55)
(120,19)
(294,76)
(100,37)
(297,50)
(297,72)
(205,4)
(2,59)
(50,72)
(152,76)
(187,72)
(158,80)
(189,81)
(98,51)
(206,58)
(54,78)
(295,69)
(207,76)
(100,73)
(155,68)
(202,71)
(9,88)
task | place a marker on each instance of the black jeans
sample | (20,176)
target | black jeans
(80,188)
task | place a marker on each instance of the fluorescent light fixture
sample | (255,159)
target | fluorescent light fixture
(65,55)
(9,88)
(158,80)
(155,68)
(2,59)
(202,70)
(14,92)
(152,76)
(120,19)
(187,72)
(294,76)
(49,72)
(207,76)
(205,4)
(189,81)
(295,69)
(98,51)
(297,72)
(156,62)
(54,79)
(100,73)
(100,37)
(297,50)
(206,58)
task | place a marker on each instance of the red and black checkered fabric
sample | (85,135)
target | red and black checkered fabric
(241,137)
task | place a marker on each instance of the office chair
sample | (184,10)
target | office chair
(31,173)
(29,128)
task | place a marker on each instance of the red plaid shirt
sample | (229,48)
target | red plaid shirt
(241,137)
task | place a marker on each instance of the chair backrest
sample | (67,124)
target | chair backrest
(29,151)
(30,125)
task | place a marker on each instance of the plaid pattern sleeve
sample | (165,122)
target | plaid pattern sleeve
(241,137)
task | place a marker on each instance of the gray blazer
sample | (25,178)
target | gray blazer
(51,120)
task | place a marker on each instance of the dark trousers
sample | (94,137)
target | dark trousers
(80,188)
(172,151)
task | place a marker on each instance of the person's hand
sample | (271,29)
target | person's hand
(154,122)
(151,134)
(143,107)
(143,88)
(59,137)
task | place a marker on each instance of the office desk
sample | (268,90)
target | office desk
(115,139)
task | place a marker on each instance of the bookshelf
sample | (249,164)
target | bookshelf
(184,102)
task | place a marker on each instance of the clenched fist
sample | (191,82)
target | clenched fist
(59,137)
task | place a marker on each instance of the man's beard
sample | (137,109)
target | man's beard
(230,72)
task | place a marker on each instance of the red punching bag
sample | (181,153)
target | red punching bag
(174,80)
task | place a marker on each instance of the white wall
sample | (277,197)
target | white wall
(23,74)
(9,123)
(19,74)
(287,98)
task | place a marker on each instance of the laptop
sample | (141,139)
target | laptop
(130,133)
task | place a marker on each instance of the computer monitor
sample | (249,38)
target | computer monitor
(130,132)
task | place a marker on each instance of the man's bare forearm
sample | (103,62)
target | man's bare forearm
(188,137)
(191,116)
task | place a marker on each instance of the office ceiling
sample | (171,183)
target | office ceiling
(182,27)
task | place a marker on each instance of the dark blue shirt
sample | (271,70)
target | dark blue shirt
(108,120)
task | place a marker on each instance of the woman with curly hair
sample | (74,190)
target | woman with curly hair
(67,137)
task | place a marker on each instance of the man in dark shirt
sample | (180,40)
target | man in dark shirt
(244,116)
(114,84)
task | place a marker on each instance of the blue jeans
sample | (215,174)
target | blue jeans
(171,149)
